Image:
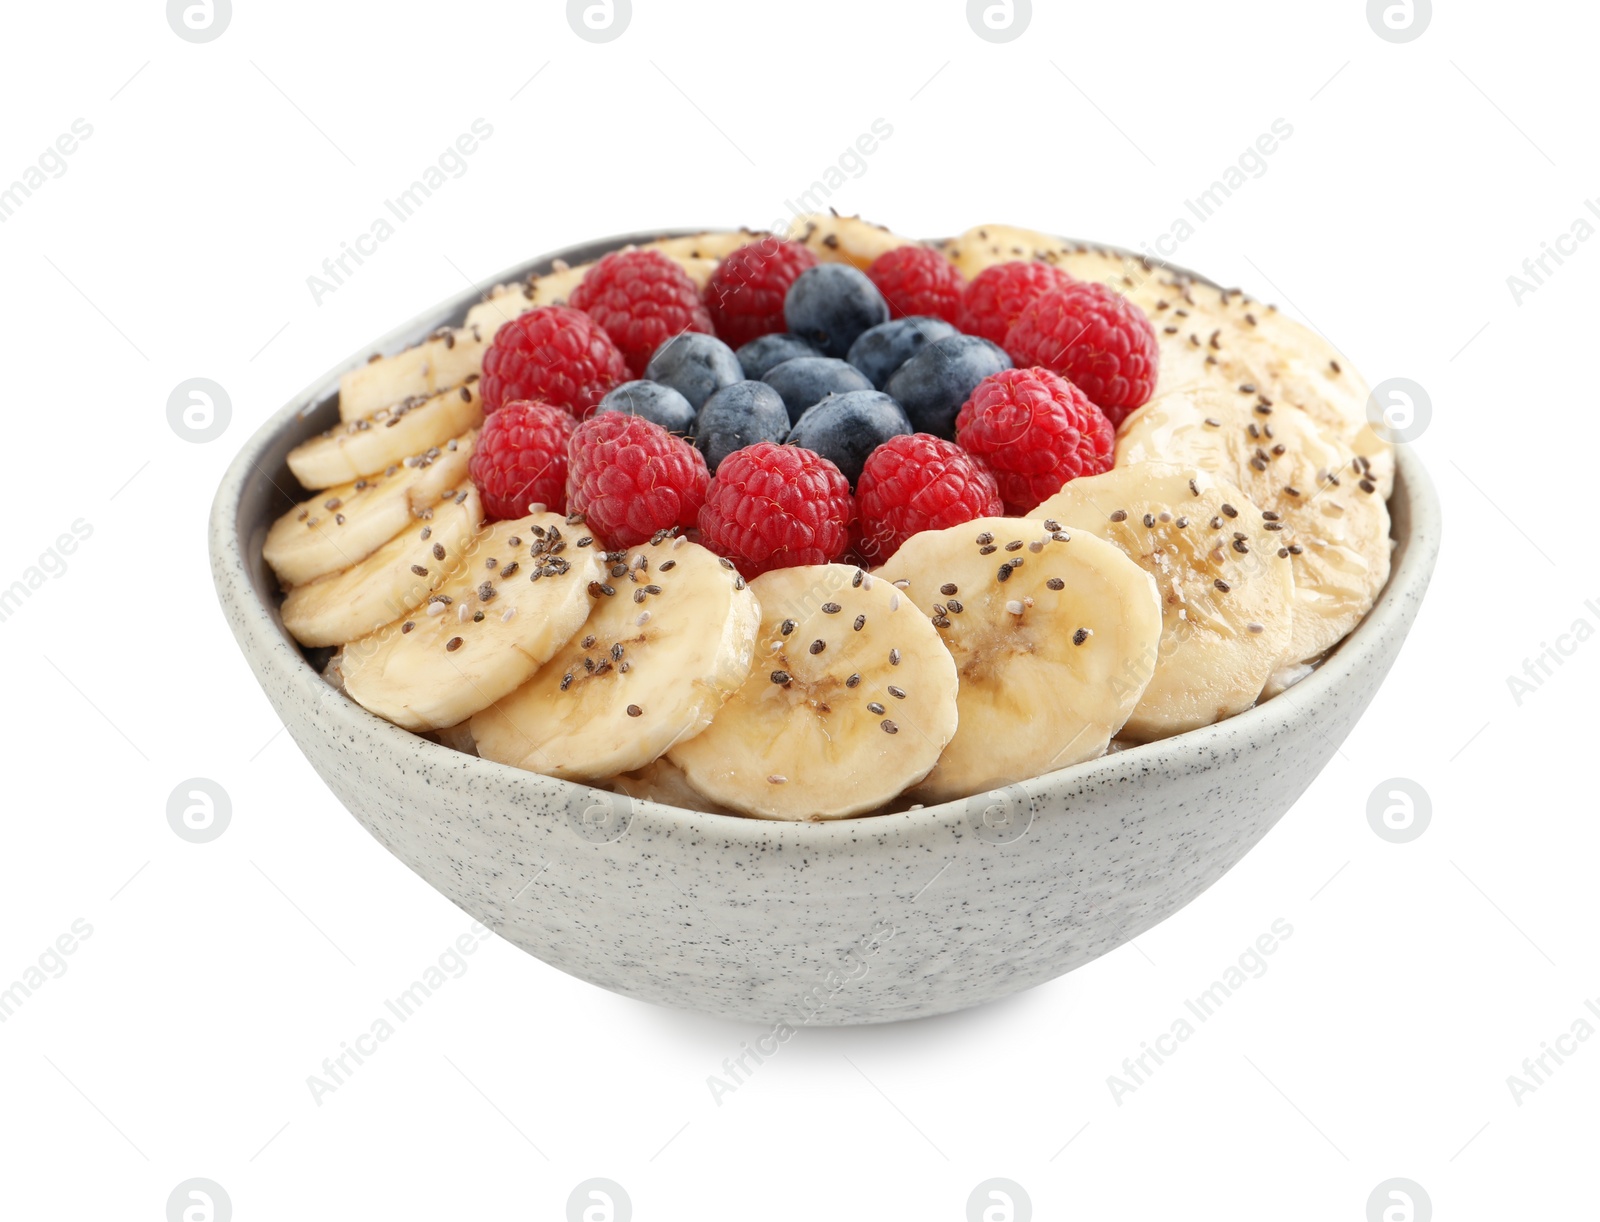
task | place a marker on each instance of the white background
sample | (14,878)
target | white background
(177,244)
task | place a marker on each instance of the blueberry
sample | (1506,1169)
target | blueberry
(761,354)
(653,402)
(831,304)
(934,384)
(810,379)
(694,365)
(884,348)
(737,416)
(846,428)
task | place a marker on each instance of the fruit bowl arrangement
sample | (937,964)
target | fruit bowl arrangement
(946,519)
(1007,553)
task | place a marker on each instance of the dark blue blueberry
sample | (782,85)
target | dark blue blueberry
(811,379)
(886,347)
(761,354)
(830,305)
(933,385)
(652,401)
(846,428)
(737,416)
(694,365)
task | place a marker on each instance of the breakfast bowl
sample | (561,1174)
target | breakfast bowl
(875,919)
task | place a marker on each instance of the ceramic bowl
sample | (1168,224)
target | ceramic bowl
(861,921)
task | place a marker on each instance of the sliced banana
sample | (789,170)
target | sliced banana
(1055,636)
(983,246)
(445,359)
(1335,524)
(850,700)
(342,526)
(717,245)
(649,669)
(1227,598)
(393,580)
(844,239)
(516,596)
(355,448)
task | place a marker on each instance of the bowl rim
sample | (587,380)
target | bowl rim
(265,643)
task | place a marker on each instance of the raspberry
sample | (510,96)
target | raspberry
(521,459)
(773,507)
(916,280)
(999,293)
(745,294)
(1035,430)
(1096,338)
(642,299)
(631,478)
(919,482)
(553,354)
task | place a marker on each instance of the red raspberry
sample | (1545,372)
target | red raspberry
(919,482)
(642,299)
(552,354)
(1095,337)
(774,507)
(631,478)
(917,280)
(1035,430)
(999,293)
(521,459)
(745,294)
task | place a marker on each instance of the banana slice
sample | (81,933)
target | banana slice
(445,359)
(366,446)
(516,596)
(850,700)
(983,246)
(1055,636)
(1227,598)
(844,239)
(1335,521)
(649,669)
(395,579)
(344,525)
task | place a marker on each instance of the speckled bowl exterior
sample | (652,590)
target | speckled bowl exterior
(862,921)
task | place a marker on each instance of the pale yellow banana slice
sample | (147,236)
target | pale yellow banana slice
(1227,598)
(850,700)
(1055,637)
(393,580)
(355,448)
(342,526)
(445,359)
(1335,524)
(517,595)
(983,246)
(844,239)
(648,670)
